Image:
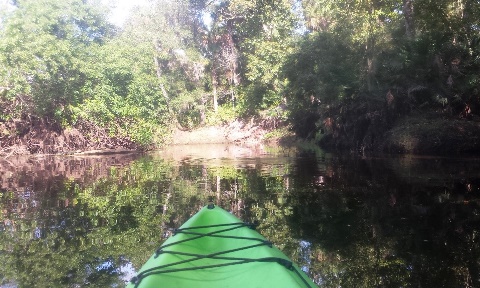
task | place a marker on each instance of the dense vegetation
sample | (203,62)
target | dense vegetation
(342,72)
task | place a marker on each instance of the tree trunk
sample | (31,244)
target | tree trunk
(409,19)
(232,59)
(165,94)
(370,55)
(203,116)
(215,96)
(159,75)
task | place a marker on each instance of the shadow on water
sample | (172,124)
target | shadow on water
(348,222)
(399,222)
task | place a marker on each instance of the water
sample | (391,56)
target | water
(347,221)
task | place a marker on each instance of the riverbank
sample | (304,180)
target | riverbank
(32,135)
(419,134)
(246,132)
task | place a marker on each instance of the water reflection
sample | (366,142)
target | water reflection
(349,222)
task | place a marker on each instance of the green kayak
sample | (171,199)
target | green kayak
(215,249)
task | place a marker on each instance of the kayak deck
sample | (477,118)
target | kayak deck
(215,249)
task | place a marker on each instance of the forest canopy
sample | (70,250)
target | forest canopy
(323,66)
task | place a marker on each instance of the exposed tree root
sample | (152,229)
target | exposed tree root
(33,135)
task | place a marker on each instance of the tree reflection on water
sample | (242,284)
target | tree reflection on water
(350,222)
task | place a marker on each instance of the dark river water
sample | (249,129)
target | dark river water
(347,221)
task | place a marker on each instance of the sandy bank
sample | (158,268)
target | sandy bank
(247,133)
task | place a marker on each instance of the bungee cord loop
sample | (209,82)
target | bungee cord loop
(220,255)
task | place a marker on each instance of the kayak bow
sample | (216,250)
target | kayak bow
(215,249)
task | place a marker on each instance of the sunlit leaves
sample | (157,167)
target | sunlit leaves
(266,34)
(45,46)
(171,31)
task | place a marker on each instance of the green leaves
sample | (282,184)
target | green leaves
(251,41)
(63,60)
(124,94)
(321,67)
(46,44)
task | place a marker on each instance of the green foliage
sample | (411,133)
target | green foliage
(45,46)
(225,114)
(264,74)
(62,59)
(189,108)
(372,48)
(51,51)
(249,42)
(175,57)
(125,96)
(267,47)
(324,69)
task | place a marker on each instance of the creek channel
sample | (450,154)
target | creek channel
(403,221)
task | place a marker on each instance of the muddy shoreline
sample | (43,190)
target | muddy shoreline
(420,135)
(36,136)
(32,135)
